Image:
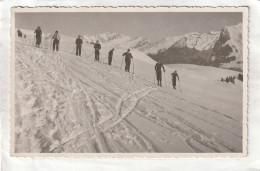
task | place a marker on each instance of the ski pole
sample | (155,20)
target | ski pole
(133,66)
(115,63)
(91,54)
(51,44)
(59,47)
(73,50)
(154,77)
(180,85)
(165,79)
(84,52)
(33,39)
(122,62)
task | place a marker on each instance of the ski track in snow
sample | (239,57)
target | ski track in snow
(98,116)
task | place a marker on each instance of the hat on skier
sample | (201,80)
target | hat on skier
(56,31)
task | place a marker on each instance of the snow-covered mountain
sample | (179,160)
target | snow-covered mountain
(227,51)
(192,40)
(219,48)
(118,39)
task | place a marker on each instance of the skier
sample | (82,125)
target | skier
(128,57)
(158,70)
(79,43)
(56,40)
(227,80)
(174,75)
(110,56)
(20,34)
(97,47)
(38,35)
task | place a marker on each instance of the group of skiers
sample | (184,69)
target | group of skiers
(38,37)
(158,69)
(128,56)
(229,79)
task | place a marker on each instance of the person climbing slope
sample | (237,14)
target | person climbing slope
(174,76)
(78,43)
(158,70)
(128,57)
(56,41)
(97,47)
(38,36)
(110,56)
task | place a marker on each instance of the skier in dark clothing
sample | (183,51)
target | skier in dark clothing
(79,43)
(110,56)
(128,57)
(227,80)
(56,41)
(174,75)
(38,35)
(97,47)
(158,70)
(20,34)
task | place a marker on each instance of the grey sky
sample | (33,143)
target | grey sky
(154,26)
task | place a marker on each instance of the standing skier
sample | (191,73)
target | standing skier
(79,43)
(56,40)
(97,47)
(38,35)
(20,34)
(158,70)
(110,56)
(128,57)
(174,75)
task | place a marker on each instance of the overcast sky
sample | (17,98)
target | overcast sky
(154,26)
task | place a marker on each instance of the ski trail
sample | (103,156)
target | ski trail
(147,143)
(210,138)
(99,136)
(205,108)
(120,105)
(186,134)
(128,110)
(143,141)
(209,122)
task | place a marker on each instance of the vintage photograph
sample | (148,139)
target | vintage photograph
(129,81)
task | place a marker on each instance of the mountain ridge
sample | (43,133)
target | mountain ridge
(221,48)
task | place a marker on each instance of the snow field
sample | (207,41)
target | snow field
(70,104)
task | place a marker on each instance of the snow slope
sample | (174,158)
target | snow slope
(70,104)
